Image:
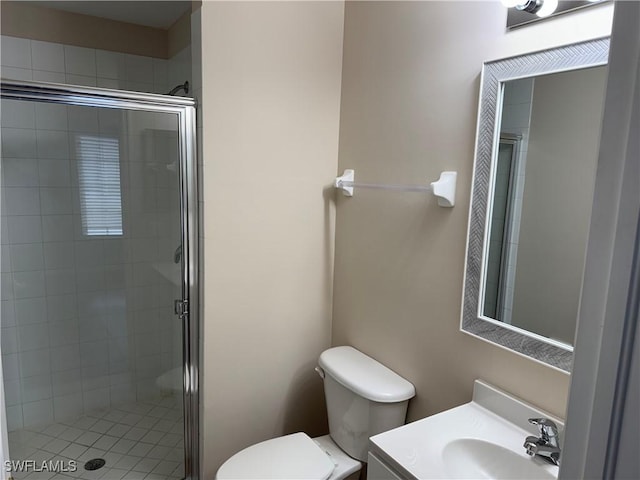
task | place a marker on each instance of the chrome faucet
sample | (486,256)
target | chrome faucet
(545,446)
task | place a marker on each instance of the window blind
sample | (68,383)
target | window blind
(99,181)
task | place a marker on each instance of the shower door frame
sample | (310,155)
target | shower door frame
(185,108)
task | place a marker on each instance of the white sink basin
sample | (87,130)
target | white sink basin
(472,458)
(482,439)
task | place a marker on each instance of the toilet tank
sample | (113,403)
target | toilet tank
(363,396)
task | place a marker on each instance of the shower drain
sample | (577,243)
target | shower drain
(94,464)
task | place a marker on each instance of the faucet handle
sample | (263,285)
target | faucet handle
(548,429)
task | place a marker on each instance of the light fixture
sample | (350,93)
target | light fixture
(512,3)
(547,8)
(542,8)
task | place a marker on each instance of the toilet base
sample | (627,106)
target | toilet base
(347,468)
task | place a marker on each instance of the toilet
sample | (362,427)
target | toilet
(363,397)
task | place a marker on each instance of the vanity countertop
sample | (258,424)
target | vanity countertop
(481,439)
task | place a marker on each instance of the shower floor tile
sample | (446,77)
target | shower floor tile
(138,441)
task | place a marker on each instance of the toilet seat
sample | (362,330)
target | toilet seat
(294,456)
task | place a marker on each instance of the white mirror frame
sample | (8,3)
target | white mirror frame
(571,57)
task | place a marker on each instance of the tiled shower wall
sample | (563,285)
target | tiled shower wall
(24,59)
(86,323)
(516,119)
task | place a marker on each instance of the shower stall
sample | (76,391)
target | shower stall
(99,254)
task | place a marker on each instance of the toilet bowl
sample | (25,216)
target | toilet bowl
(363,398)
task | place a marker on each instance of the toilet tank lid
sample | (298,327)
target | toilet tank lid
(365,376)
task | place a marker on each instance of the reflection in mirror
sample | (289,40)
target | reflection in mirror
(542,194)
(534,173)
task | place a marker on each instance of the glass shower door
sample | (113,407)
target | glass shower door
(92,352)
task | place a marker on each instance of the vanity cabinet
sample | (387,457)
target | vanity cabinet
(377,470)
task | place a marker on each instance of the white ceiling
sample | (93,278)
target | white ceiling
(158,14)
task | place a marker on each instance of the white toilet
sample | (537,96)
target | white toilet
(364,398)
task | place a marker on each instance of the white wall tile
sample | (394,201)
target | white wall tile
(82,80)
(33,337)
(28,284)
(30,311)
(90,279)
(79,60)
(65,358)
(15,52)
(50,116)
(160,72)
(5,259)
(110,121)
(94,352)
(115,277)
(57,228)
(36,388)
(18,114)
(110,65)
(61,307)
(96,399)
(90,304)
(27,257)
(34,362)
(94,329)
(114,251)
(66,382)
(110,83)
(8,314)
(6,284)
(142,87)
(180,68)
(68,406)
(18,143)
(138,68)
(10,366)
(52,144)
(121,394)
(64,332)
(54,173)
(24,229)
(4,230)
(60,282)
(59,255)
(9,340)
(12,73)
(19,172)
(56,201)
(52,77)
(83,119)
(12,392)
(37,413)
(21,201)
(89,253)
(14,418)
(94,376)
(118,346)
(47,56)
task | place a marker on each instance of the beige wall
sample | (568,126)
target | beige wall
(271,96)
(558,193)
(410,88)
(24,20)
(179,35)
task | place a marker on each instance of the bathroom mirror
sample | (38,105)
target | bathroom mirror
(536,154)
